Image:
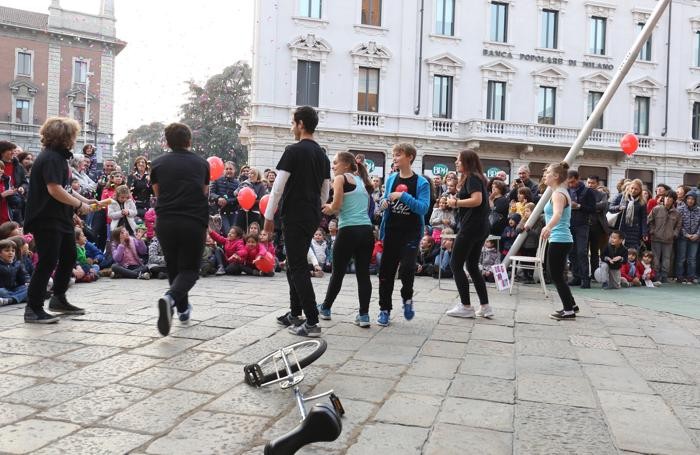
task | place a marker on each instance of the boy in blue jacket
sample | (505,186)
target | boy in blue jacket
(13,278)
(406,201)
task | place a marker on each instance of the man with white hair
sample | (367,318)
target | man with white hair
(523,180)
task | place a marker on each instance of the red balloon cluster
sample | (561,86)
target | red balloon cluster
(246,198)
(266,263)
(629,144)
(216,167)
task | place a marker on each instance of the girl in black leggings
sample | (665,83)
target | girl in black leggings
(472,203)
(351,201)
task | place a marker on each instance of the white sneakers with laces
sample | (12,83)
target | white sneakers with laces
(485,311)
(467,311)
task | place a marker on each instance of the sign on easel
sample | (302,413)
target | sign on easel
(500,276)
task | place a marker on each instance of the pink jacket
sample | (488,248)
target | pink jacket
(231,247)
(252,253)
(149,218)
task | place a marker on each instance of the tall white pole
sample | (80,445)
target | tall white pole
(87,106)
(627,63)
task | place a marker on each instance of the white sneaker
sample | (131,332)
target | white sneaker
(485,311)
(461,311)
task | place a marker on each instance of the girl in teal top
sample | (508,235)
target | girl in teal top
(351,193)
(557,215)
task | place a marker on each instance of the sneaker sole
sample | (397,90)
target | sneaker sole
(383,325)
(362,324)
(325,318)
(561,319)
(42,321)
(463,316)
(165,317)
(486,316)
(67,312)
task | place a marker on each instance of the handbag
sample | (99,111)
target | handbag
(613,218)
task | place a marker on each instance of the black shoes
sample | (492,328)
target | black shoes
(59,304)
(586,284)
(38,316)
(288,320)
(574,282)
(562,316)
(165,314)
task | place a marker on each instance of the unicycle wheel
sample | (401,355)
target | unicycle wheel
(272,367)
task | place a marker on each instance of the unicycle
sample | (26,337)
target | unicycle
(285,367)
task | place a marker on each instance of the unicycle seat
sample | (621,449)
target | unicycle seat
(321,424)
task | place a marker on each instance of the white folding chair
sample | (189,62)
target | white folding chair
(535,263)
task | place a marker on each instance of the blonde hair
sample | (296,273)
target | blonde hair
(407,149)
(59,133)
(122,190)
(254,175)
(561,169)
(637,182)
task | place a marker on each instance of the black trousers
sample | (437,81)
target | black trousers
(467,250)
(182,241)
(357,242)
(297,240)
(99,227)
(132,271)
(400,248)
(578,256)
(556,263)
(56,250)
(596,240)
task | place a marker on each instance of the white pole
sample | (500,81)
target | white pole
(87,106)
(627,63)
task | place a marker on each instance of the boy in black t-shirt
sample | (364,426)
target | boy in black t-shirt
(406,201)
(302,186)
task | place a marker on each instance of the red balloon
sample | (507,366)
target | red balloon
(246,198)
(216,167)
(263,204)
(401,188)
(266,263)
(629,144)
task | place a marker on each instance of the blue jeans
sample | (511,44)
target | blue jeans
(228,220)
(19,293)
(687,251)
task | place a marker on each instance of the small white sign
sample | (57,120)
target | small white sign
(500,275)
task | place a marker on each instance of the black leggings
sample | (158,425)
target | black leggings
(399,249)
(55,250)
(131,271)
(357,242)
(467,249)
(556,263)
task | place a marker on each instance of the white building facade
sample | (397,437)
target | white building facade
(513,79)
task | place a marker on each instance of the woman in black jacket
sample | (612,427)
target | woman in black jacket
(498,202)
(140,185)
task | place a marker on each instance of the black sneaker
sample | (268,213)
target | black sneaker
(165,314)
(288,320)
(39,316)
(576,309)
(561,316)
(59,304)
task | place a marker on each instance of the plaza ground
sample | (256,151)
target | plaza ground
(620,379)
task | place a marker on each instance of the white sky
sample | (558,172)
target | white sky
(169,42)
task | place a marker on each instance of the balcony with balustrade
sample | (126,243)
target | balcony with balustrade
(21,129)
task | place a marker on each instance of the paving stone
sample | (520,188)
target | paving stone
(490,348)
(120,341)
(547,365)
(640,356)
(214,379)
(191,360)
(157,413)
(11,361)
(11,383)
(492,333)
(48,394)
(600,357)
(484,365)
(28,436)
(389,440)
(628,415)
(165,347)
(102,441)
(630,331)
(236,339)
(96,405)
(660,373)
(409,409)
(554,429)
(623,379)
(351,330)
(10,413)
(448,439)
(90,354)
(483,388)
(387,353)
(108,371)
(374,369)
(436,348)
(200,332)
(265,402)
(592,342)
(66,337)
(402,338)
(334,358)
(689,415)
(567,391)
(545,347)
(423,385)
(156,378)
(45,368)
(348,343)
(208,432)
(36,347)
(678,394)
(447,333)
(356,387)
(434,367)
(477,414)
(540,331)
(674,336)
(633,342)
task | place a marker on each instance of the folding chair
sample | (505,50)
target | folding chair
(535,263)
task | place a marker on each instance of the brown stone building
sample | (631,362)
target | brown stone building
(60,63)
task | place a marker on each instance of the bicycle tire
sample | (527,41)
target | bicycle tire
(306,352)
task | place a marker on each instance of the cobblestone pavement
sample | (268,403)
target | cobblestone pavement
(620,379)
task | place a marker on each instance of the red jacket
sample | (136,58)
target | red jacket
(270,247)
(250,254)
(231,247)
(378,248)
(625,271)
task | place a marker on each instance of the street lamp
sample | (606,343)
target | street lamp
(88,75)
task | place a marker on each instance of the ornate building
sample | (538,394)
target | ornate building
(61,63)
(514,79)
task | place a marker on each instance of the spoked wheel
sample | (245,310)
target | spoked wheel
(272,367)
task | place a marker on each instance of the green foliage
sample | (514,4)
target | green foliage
(146,140)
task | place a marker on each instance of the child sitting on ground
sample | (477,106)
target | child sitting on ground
(23,253)
(10,229)
(509,233)
(425,260)
(253,252)
(212,259)
(489,257)
(156,260)
(269,245)
(254,228)
(648,273)
(631,271)
(90,270)
(614,256)
(13,278)
(441,218)
(320,249)
(233,246)
(442,260)
(126,251)
(122,210)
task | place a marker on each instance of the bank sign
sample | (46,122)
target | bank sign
(548,60)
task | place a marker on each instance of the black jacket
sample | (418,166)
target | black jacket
(12,275)
(513,195)
(601,208)
(20,175)
(225,187)
(585,197)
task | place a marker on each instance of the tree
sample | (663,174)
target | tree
(214,110)
(146,140)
